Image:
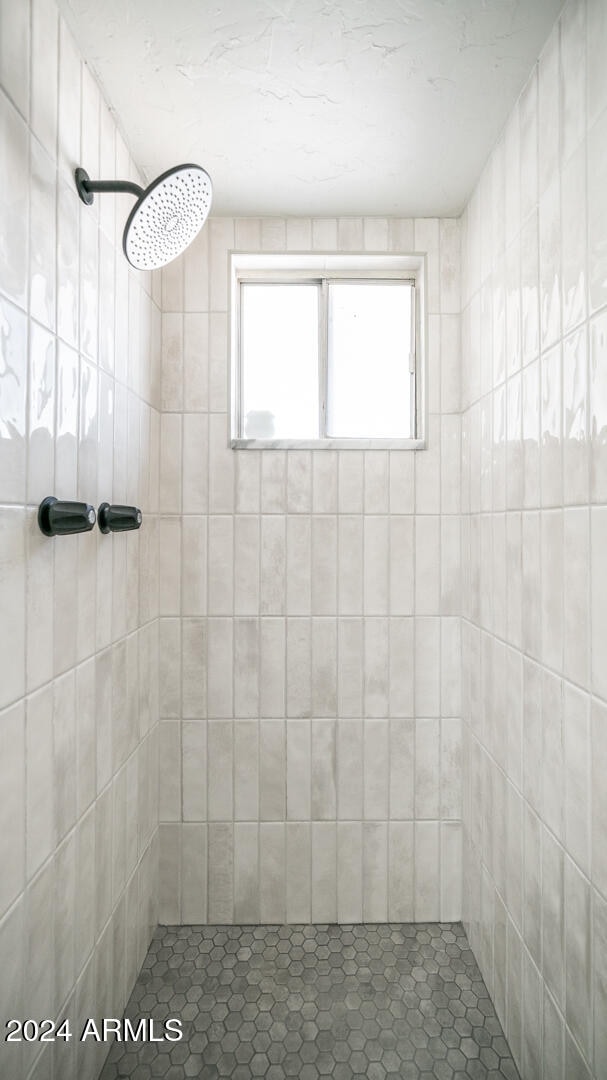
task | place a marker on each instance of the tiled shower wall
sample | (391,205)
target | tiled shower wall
(79,396)
(310,629)
(534,489)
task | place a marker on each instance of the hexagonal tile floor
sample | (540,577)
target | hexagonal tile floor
(373,1002)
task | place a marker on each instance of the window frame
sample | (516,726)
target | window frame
(317,268)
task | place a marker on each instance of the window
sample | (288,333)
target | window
(327,350)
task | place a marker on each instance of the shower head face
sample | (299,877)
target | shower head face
(167,217)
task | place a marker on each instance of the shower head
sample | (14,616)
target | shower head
(167,216)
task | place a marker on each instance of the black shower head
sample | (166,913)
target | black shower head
(167,216)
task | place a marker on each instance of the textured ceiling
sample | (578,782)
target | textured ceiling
(315,106)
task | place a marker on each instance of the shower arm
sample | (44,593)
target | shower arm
(87,187)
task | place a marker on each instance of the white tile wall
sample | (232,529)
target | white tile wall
(79,401)
(310,671)
(534,562)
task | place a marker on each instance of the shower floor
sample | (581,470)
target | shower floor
(372,1002)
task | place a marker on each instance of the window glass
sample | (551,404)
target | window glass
(369,383)
(279,356)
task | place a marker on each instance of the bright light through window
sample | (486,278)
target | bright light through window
(327,350)
(279,336)
(369,383)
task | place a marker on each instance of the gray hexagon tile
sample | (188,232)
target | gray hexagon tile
(373,1002)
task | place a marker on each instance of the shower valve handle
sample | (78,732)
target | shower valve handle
(119,518)
(63,518)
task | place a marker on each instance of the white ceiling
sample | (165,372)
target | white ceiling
(315,106)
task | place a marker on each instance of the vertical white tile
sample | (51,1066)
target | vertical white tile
(578,966)
(246,565)
(324,667)
(298,889)
(552,916)
(221,466)
(427,561)
(350,482)
(220,756)
(376,754)
(375,871)
(324,872)
(529,145)
(401,865)
(598,587)
(272,672)
(195,359)
(246,770)
(596,37)
(402,671)
(427,871)
(194,566)
(299,482)
(299,658)
(219,667)
(427,690)
(272,770)
(599,795)
(401,766)
(599,972)
(193,873)
(15,54)
(324,565)
(41,423)
(169,670)
(172,362)
(194,477)
(349,872)
(402,573)
(272,872)
(44,73)
(221,239)
(376,563)
(246,873)
(218,352)
(427,768)
(323,770)
(273,566)
(39,944)
(40,792)
(350,667)
(246,667)
(169,782)
(324,482)
(349,759)
(15,182)
(298,572)
(350,564)
(64,753)
(12,755)
(221,873)
(598,409)
(247,481)
(532,1019)
(298,770)
(273,482)
(451,871)
(376,666)
(532,909)
(194,771)
(194,671)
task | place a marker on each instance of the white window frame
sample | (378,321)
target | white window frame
(316,268)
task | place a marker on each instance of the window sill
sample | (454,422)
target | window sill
(328,444)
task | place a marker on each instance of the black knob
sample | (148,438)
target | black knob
(119,518)
(63,518)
